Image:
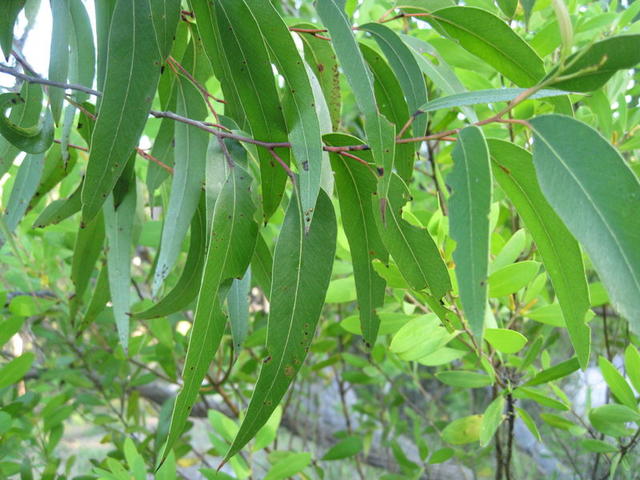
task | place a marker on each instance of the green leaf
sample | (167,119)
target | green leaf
(508,7)
(514,171)
(594,66)
(559,370)
(9,327)
(463,430)
(321,57)
(248,76)
(489,38)
(392,105)
(483,97)
(55,170)
(390,323)
(380,132)
(188,171)
(569,175)
(420,337)
(617,384)
(233,235)
(118,220)
(612,419)
(632,366)
(512,278)
(300,109)
(356,185)
(261,264)
(543,398)
(301,271)
(491,420)
(345,448)
(187,286)
(406,69)
(17,368)
(529,422)
(11,9)
(146,30)
(288,466)
(469,208)
(60,209)
(505,340)
(464,379)
(30,139)
(87,249)
(82,66)
(598,446)
(59,50)
(412,247)
(24,188)
(238,306)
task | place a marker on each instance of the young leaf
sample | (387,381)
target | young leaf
(617,384)
(129,87)
(118,220)
(632,366)
(412,248)
(345,448)
(514,171)
(186,289)
(356,184)
(505,340)
(512,278)
(302,266)
(461,378)
(463,430)
(555,372)
(469,207)
(299,106)
(486,36)
(570,177)
(491,420)
(595,66)
(233,235)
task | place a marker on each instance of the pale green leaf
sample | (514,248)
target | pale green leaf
(17,368)
(491,420)
(512,278)
(617,384)
(463,430)
(505,340)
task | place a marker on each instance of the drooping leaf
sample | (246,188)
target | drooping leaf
(356,184)
(261,265)
(515,173)
(82,65)
(570,177)
(632,366)
(87,249)
(118,221)
(414,251)
(24,188)
(30,139)
(249,79)
(469,208)
(299,105)
(321,57)
(393,106)
(59,210)
(302,266)
(489,38)
(592,68)
(99,299)
(53,173)
(232,240)
(188,171)
(491,420)
(187,286)
(238,306)
(146,30)
(104,12)
(380,132)
(59,50)
(406,68)
(11,9)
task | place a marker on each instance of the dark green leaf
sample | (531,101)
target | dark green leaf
(30,139)
(59,50)
(24,188)
(59,210)
(345,448)
(238,305)
(10,12)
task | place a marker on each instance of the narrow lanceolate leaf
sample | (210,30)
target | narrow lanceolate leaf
(483,97)
(300,108)
(406,69)
(129,87)
(248,77)
(412,248)
(570,175)
(380,132)
(514,171)
(238,307)
(87,249)
(489,38)
(186,289)
(356,185)
(10,12)
(24,188)
(118,221)
(82,65)
(104,12)
(469,207)
(599,62)
(188,177)
(59,210)
(393,106)
(321,57)
(59,50)
(301,271)
(30,139)
(232,240)
(261,266)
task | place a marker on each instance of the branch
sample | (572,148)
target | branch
(43,81)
